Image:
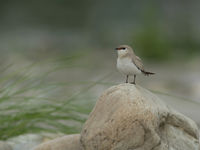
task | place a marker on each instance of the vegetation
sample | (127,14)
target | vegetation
(29,103)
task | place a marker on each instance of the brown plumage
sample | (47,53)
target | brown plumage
(138,63)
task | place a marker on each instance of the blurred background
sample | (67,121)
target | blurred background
(57,57)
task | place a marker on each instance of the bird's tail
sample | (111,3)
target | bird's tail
(146,73)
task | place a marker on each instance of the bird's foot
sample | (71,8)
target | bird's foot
(133,83)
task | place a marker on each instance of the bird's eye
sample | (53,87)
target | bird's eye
(123,48)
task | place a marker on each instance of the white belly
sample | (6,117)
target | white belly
(127,67)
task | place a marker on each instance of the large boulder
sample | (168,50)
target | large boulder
(128,117)
(68,142)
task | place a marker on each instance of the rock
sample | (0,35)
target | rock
(128,117)
(69,142)
(5,146)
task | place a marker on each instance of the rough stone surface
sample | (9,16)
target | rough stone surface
(69,142)
(128,117)
(5,146)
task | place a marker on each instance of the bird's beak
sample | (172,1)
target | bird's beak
(117,48)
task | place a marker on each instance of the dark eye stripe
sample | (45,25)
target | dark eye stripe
(120,48)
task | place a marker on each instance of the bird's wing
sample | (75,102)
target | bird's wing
(138,62)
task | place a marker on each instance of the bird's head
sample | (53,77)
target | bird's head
(124,50)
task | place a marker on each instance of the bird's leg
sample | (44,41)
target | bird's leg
(134,79)
(127,79)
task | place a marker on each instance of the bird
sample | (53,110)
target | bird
(129,64)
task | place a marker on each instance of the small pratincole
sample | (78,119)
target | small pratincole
(129,64)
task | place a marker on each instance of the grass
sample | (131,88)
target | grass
(29,102)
